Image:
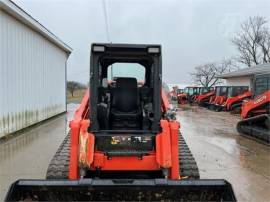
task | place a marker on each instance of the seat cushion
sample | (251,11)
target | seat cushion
(125,95)
(125,120)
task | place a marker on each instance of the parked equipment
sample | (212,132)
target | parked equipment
(202,91)
(256,112)
(203,99)
(189,95)
(235,97)
(124,143)
(182,97)
(219,98)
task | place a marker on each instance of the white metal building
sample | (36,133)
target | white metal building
(32,72)
(244,77)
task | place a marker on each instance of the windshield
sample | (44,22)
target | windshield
(179,91)
(204,90)
(218,89)
(223,91)
(230,92)
(190,91)
(133,70)
(262,84)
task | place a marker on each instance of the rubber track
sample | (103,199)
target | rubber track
(187,165)
(253,128)
(59,165)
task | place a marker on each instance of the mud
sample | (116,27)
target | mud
(221,152)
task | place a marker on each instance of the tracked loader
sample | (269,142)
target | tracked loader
(202,92)
(219,98)
(255,113)
(234,99)
(124,142)
(189,95)
(203,99)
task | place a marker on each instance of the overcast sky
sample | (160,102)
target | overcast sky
(191,32)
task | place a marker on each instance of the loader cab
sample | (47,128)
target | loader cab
(191,90)
(180,91)
(261,84)
(204,90)
(125,88)
(236,90)
(221,90)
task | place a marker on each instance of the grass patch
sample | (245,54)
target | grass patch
(77,96)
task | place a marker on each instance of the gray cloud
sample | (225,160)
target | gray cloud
(191,31)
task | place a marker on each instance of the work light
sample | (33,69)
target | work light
(98,48)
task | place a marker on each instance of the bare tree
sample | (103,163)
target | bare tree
(72,86)
(253,41)
(206,74)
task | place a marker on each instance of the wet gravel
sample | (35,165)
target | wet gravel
(219,150)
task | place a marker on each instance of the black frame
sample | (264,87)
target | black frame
(134,53)
(258,77)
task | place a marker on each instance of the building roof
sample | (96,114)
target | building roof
(14,10)
(258,69)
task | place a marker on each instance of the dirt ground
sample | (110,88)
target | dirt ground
(218,149)
(222,153)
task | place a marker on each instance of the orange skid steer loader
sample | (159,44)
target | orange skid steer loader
(235,97)
(124,142)
(255,113)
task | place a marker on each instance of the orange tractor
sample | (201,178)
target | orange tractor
(256,112)
(124,142)
(235,97)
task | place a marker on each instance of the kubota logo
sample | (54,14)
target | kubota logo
(259,99)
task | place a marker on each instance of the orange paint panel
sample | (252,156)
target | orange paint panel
(205,96)
(80,113)
(230,101)
(253,104)
(165,101)
(163,146)
(125,162)
(74,142)
(86,144)
(174,128)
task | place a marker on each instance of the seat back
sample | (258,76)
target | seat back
(125,95)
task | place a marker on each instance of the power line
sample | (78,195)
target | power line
(106,21)
(106,15)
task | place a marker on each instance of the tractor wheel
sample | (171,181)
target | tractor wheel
(59,165)
(187,165)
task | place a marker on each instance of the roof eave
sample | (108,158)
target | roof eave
(14,10)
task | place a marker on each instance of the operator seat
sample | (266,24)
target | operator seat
(125,110)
